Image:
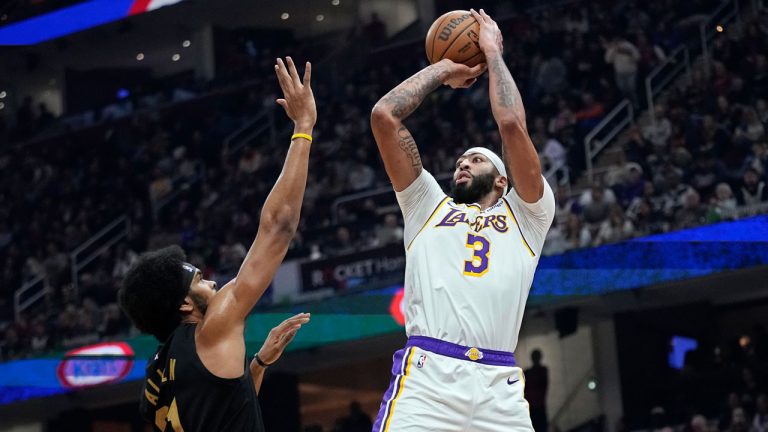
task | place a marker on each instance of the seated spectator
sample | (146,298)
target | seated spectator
(616,228)
(632,184)
(751,191)
(723,203)
(590,113)
(390,232)
(659,131)
(341,244)
(760,422)
(750,128)
(692,212)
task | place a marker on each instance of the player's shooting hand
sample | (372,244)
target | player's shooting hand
(298,100)
(280,336)
(461,75)
(491,40)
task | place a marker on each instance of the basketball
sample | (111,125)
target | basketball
(455,35)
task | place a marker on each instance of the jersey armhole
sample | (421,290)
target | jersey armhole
(514,219)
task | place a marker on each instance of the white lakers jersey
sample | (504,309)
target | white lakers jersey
(468,272)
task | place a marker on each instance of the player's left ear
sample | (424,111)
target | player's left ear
(187,306)
(501,182)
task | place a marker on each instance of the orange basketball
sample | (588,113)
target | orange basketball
(455,36)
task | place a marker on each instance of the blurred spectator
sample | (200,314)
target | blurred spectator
(723,203)
(751,191)
(739,420)
(536,387)
(342,243)
(659,131)
(551,76)
(375,30)
(590,113)
(357,420)
(231,254)
(624,57)
(692,212)
(389,233)
(699,423)
(596,204)
(760,422)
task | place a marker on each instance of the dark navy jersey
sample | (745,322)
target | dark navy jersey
(180,394)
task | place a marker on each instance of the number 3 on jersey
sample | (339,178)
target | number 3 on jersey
(481,248)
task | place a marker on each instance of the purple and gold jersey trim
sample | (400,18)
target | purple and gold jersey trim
(398,390)
(460,352)
(525,242)
(434,212)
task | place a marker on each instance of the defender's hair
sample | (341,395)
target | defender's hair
(153,291)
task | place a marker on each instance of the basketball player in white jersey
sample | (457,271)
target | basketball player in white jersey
(470,258)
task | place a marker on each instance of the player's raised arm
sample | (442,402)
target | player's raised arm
(396,144)
(507,106)
(280,213)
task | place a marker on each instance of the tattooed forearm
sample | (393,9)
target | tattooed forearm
(408,146)
(505,85)
(406,97)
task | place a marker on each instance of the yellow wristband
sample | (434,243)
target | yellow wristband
(301,135)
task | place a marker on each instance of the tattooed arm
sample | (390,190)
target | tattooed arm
(517,149)
(396,144)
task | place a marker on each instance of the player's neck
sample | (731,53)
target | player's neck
(195,317)
(488,201)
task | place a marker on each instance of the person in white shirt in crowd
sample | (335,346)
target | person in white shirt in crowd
(624,56)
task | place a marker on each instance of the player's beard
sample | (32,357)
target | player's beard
(468,193)
(201,302)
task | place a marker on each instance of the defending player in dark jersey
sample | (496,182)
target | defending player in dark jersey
(198,380)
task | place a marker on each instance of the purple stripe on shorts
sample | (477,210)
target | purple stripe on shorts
(448,349)
(397,370)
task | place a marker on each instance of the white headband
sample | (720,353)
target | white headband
(493,157)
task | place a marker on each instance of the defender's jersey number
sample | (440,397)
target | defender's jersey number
(168,416)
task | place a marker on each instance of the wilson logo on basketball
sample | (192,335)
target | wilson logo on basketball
(446,31)
(95,364)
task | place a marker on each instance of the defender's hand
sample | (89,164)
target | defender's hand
(280,336)
(491,40)
(461,75)
(298,100)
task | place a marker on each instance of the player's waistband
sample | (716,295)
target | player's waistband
(472,354)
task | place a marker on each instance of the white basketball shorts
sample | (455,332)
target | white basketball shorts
(441,386)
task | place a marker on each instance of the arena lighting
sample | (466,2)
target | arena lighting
(78,17)
(2,105)
(186,43)
(592,385)
(285,16)
(719,29)
(335,2)
(320,17)
(140,56)
(176,57)
(744,341)
(3,94)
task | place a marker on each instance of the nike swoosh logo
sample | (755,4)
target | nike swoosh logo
(510,381)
